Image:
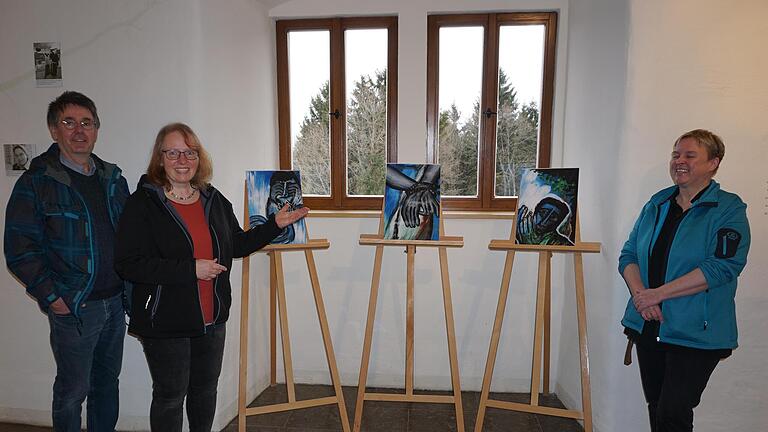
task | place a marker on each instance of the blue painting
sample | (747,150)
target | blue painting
(412,202)
(546,206)
(268,192)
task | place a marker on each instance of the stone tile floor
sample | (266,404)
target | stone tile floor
(386,416)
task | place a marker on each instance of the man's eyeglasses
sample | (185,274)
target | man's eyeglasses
(87,124)
(174,154)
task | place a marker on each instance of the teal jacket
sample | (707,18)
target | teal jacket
(713,236)
(48,242)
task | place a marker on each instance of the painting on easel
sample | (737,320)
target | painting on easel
(412,202)
(268,192)
(546,207)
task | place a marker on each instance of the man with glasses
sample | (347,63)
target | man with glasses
(59,242)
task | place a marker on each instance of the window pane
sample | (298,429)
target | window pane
(366,99)
(521,58)
(460,69)
(309,75)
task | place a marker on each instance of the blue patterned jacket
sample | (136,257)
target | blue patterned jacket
(49,244)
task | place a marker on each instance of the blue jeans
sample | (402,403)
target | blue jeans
(184,367)
(88,361)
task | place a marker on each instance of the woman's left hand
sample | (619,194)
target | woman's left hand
(285,216)
(647,298)
(652,313)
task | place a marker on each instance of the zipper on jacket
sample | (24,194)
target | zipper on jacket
(158,292)
(655,224)
(110,191)
(183,229)
(200,304)
(706,308)
(91,261)
(216,280)
(206,212)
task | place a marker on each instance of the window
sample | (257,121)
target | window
(490,80)
(337,107)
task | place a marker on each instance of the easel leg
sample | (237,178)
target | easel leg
(272,320)
(286,340)
(539,328)
(411,251)
(490,362)
(366,356)
(547,322)
(451,332)
(581,314)
(321,316)
(243,379)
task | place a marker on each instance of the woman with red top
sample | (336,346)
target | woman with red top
(175,242)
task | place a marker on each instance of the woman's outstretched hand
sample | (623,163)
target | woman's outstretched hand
(285,216)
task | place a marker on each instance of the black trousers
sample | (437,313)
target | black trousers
(185,367)
(673,380)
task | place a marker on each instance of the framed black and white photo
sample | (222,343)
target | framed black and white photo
(47,64)
(17,158)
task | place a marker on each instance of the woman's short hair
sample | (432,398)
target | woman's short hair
(156,171)
(711,142)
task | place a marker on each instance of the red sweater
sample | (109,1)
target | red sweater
(194,218)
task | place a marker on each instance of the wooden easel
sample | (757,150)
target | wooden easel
(410,245)
(541,329)
(277,290)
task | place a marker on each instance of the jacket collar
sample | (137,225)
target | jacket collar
(50,165)
(707,199)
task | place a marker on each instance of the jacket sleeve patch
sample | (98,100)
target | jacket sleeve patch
(728,240)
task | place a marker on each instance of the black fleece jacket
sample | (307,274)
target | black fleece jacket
(154,252)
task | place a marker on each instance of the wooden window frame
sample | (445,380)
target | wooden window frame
(338,200)
(486,173)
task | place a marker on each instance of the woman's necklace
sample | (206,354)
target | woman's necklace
(182,198)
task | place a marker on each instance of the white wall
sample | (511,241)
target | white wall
(593,123)
(144,63)
(631,76)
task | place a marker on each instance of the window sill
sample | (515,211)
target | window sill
(448,214)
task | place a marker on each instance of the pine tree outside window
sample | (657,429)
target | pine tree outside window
(490,82)
(337,105)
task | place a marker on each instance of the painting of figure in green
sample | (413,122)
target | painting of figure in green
(546,206)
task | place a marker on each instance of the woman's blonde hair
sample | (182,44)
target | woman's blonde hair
(711,142)
(156,171)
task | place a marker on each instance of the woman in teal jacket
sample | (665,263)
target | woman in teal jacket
(680,263)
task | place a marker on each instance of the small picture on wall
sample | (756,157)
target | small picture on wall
(546,207)
(17,158)
(412,202)
(268,192)
(47,64)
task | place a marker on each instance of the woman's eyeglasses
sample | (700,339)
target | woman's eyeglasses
(174,154)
